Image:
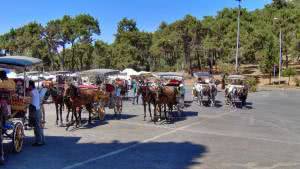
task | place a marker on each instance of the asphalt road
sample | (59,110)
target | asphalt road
(264,135)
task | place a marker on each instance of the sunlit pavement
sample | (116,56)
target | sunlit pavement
(263,135)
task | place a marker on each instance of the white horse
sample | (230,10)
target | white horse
(236,93)
(203,90)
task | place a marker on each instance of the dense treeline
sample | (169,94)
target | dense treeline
(69,43)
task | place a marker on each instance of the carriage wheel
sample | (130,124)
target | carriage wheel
(18,137)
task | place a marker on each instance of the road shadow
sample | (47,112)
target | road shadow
(248,105)
(95,123)
(61,152)
(71,126)
(188,103)
(119,116)
(218,104)
(175,117)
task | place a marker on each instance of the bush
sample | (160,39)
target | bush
(252,83)
(225,68)
(288,72)
(297,81)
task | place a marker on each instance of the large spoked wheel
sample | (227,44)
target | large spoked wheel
(18,137)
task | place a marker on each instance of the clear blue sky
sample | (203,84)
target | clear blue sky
(147,13)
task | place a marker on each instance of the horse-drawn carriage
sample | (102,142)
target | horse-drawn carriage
(114,87)
(14,102)
(236,90)
(176,82)
(204,89)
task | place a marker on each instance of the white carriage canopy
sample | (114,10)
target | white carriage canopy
(202,74)
(95,75)
(17,62)
(170,75)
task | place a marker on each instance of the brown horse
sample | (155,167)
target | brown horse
(167,97)
(87,97)
(158,97)
(57,94)
(148,97)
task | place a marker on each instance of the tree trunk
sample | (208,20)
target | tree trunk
(289,80)
(186,51)
(198,60)
(62,66)
(50,56)
(286,59)
(73,57)
(81,62)
(187,58)
(270,78)
(51,59)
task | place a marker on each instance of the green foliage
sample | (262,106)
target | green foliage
(252,83)
(185,44)
(288,72)
(226,68)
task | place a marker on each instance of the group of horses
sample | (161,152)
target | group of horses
(202,90)
(233,94)
(74,99)
(236,94)
(161,98)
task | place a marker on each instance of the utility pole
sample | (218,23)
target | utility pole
(238,39)
(280,51)
(280,54)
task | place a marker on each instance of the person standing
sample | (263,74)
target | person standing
(129,84)
(43,98)
(134,90)
(36,114)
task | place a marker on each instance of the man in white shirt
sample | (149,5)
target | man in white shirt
(35,104)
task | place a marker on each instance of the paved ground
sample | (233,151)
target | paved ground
(264,135)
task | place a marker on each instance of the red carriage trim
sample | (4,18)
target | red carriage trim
(174,82)
(88,87)
(109,88)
